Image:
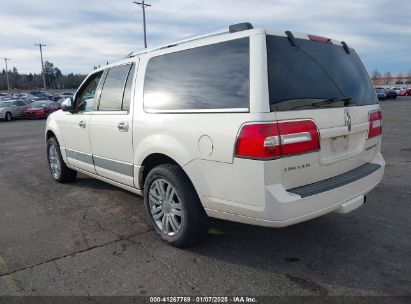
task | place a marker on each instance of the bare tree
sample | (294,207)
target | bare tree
(375,74)
(387,76)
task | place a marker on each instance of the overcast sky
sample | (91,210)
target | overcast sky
(80,34)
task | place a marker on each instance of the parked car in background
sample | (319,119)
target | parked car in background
(36,93)
(61,100)
(398,90)
(43,95)
(63,95)
(405,92)
(31,100)
(391,94)
(41,109)
(381,94)
(408,92)
(23,95)
(4,95)
(12,109)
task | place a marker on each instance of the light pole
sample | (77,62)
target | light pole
(42,64)
(143,6)
(7,73)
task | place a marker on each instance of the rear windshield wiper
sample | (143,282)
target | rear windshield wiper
(346,100)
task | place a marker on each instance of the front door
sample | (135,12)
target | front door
(112,124)
(76,126)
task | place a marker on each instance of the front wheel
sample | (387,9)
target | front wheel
(58,169)
(173,206)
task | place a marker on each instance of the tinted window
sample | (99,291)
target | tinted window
(210,77)
(113,89)
(85,99)
(312,72)
(127,90)
(21,104)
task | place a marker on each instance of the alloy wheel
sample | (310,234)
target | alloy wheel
(165,207)
(54,161)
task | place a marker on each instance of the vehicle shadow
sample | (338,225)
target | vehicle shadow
(343,252)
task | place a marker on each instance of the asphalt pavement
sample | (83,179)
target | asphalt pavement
(91,238)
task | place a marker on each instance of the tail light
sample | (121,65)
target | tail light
(375,124)
(273,140)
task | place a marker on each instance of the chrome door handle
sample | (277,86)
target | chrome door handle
(123,126)
(82,124)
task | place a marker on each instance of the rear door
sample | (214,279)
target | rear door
(21,107)
(111,126)
(325,83)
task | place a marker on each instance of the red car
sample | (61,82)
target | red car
(41,109)
(407,92)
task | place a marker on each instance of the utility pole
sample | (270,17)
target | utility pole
(7,73)
(143,6)
(42,64)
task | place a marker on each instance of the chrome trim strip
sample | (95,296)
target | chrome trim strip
(226,110)
(114,165)
(294,138)
(107,180)
(80,156)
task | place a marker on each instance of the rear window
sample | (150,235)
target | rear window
(303,77)
(205,78)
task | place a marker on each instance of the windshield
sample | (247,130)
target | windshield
(5,104)
(39,104)
(303,77)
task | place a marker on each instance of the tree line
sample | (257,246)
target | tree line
(377,74)
(54,79)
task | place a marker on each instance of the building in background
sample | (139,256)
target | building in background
(389,80)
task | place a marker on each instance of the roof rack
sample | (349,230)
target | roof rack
(231,29)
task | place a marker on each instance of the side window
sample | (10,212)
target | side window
(214,76)
(85,99)
(113,89)
(127,90)
(21,104)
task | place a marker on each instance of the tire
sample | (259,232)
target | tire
(8,117)
(180,224)
(394,97)
(58,169)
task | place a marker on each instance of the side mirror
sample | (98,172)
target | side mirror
(67,105)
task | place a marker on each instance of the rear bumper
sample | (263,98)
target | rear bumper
(277,207)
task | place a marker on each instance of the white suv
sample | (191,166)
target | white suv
(249,125)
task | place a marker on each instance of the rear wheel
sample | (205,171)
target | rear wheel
(58,169)
(174,207)
(8,117)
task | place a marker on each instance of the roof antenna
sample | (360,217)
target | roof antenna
(345,46)
(291,38)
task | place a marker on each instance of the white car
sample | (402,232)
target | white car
(398,90)
(10,109)
(250,125)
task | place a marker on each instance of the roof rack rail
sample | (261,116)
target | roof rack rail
(231,29)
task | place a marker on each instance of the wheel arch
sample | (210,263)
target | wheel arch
(52,129)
